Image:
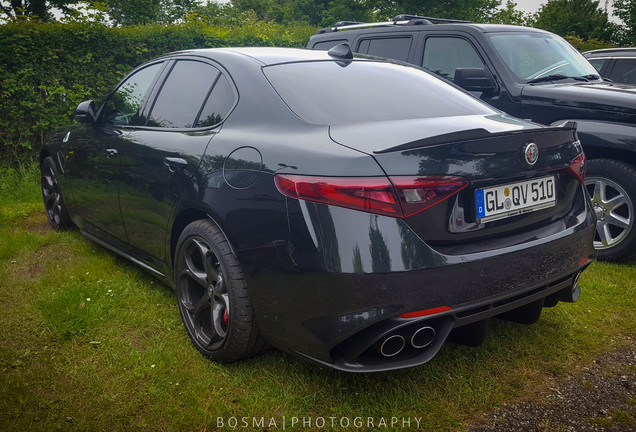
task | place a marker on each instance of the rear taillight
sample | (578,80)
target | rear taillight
(395,196)
(419,193)
(577,167)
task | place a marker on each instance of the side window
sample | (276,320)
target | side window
(218,105)
(327,45)
(444,55)
(598,63)
(624,71)
(182,95)
(122,107)
(393,48)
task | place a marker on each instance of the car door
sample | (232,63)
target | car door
(94,165)
(160,159)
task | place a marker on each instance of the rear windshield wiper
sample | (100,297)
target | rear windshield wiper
(558,77)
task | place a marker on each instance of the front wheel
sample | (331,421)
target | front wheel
(212,295)
(611,185)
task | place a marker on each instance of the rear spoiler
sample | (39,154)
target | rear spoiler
(472,135)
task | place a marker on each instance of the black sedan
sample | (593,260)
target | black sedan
(354,211)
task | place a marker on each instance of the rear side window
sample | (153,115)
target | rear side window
(218,104)
(444,55)
(367,91)
(394,48)
(182,95)
(624,71)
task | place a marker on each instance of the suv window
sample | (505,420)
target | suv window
(182,94)
(377,91)
(394,48)
(624,71)
(443,55)
(598,63)
(327,45)
(122,107)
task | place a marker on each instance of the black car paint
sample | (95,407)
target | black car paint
(605,112)
(321,274)
(545,103)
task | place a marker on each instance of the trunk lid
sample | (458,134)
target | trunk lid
(489,152)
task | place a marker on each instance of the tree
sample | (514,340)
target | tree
(626,11)
(347,10)
(471,10)
(510,15)
(32,9)
(581,18)
(136,12)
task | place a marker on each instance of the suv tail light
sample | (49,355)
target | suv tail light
(391,196)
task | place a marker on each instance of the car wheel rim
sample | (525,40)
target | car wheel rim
(614,211)
(202,294)
(51,194)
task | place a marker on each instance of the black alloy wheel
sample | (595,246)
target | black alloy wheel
(54,204)
(212,295)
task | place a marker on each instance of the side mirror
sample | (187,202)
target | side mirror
(474,79)
(85,112)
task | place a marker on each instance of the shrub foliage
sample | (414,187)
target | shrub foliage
(48,68)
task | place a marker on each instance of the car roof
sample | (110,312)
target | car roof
(388,27)
(611,52)
(263,55)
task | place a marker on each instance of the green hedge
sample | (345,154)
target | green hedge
(47,69)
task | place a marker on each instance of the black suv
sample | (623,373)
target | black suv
(617,64)
(531,74)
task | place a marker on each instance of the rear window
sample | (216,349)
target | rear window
(330,92)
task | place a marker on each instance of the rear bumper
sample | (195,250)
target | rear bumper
(332,301)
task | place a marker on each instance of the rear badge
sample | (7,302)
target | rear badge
(531,153)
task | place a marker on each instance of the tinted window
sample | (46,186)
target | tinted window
(598,63)
(182,95)
(218,105)
(326,45)
(624,71)
(444,55)
(393,48)
(122,107)
(366,91)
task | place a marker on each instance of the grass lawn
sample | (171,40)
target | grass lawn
(90,342)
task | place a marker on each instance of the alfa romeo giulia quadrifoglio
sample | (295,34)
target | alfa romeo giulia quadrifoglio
(354,211)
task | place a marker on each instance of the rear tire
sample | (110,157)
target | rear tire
(54,204)
(611,185)
(212,295)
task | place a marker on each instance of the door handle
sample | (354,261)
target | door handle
(175,163)
(111,153)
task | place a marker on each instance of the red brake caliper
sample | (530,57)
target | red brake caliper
(226,317)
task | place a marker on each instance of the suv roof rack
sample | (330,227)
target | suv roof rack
(403,19)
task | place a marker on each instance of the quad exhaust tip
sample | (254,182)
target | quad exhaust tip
(395,344)
(423,337)
(392,346)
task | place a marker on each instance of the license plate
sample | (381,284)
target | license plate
(517,198)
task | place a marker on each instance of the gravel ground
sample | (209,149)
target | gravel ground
(602,398)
